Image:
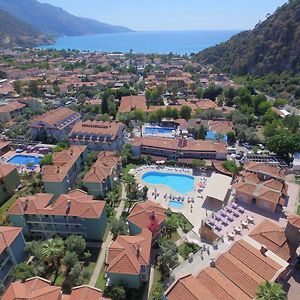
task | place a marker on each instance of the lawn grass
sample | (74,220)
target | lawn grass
(59,280)
(91,268)
(185,249)
(156,281)
(128,167)
(101,281)
(175,236)
(183,222)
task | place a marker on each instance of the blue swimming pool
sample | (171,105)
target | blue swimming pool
(24,159)
(176,204)
(178,182)
(158,130)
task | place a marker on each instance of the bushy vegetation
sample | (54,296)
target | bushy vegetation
(63,262)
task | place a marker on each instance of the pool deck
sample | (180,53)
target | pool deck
(21,168)
(194,212)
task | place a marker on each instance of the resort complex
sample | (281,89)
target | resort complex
(128,176)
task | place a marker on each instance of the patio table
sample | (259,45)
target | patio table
(241,209)
(238,229)
(217,217)
(245,223)
(218,227)
(229,217)
(228,208)
(224,221)
(236,214)
(250,219)
(231,235)
(223,213)
(234,205)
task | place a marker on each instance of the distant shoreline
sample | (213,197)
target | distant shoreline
(146,42)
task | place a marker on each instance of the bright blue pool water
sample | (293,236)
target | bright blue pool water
(24,160)
(211,135)
(178,182)
(158,130)
(176,204)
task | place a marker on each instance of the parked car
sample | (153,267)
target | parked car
(246,145)
(261,146)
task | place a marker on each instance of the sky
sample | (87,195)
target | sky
(173,14)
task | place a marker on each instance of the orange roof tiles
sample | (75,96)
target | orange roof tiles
(110,129)
(6,169)
(7,236)
(269,195)
(35,288)
(294,220)
(180,145)
(103,167)
(127,254)
(258,167)
(273,237)
(76,203)
(147,215)
(11,106)
(189,288)
(86,293)
(244,187)
(4,144)
(235,275)
(220,126)
(129,103)
(62,163)
(54,117)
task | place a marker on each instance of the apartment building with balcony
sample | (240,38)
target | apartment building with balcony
(181,149)
(76,213)
(60,177)
(10,111)
(55,124)
(98,135)
(12,245)
(9,181)
(103,175)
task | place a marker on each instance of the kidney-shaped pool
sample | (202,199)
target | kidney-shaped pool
(180,183)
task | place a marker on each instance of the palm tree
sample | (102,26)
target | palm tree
(270,291)
(130,187)
(52,250)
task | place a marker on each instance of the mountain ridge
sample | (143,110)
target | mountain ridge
(16,33)
(54,20)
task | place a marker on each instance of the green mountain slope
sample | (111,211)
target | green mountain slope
(50,19)
(273,46)
(14,32)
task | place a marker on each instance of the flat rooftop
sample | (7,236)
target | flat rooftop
(217,186)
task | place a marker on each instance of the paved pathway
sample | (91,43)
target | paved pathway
(105,245)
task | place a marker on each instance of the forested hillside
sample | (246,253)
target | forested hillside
(273,46)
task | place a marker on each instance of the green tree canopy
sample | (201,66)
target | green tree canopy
(270,291)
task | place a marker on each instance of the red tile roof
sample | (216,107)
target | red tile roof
(129,103)
(294,220)
(180,144)
(263,168)
(35,288)
(127,254)
(273,237)
(76,203)
(103,167)
(62,163)
(10,107)
(8,235)
(109,129)
(147,215)
(235,275)
(6,169)
(86,293)
(54,117)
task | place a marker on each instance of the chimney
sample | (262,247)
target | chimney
(153,215)
(213,263)
(68,206)
(57,169)
(71,152)
(263,250)
(26,203)
(138,250)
